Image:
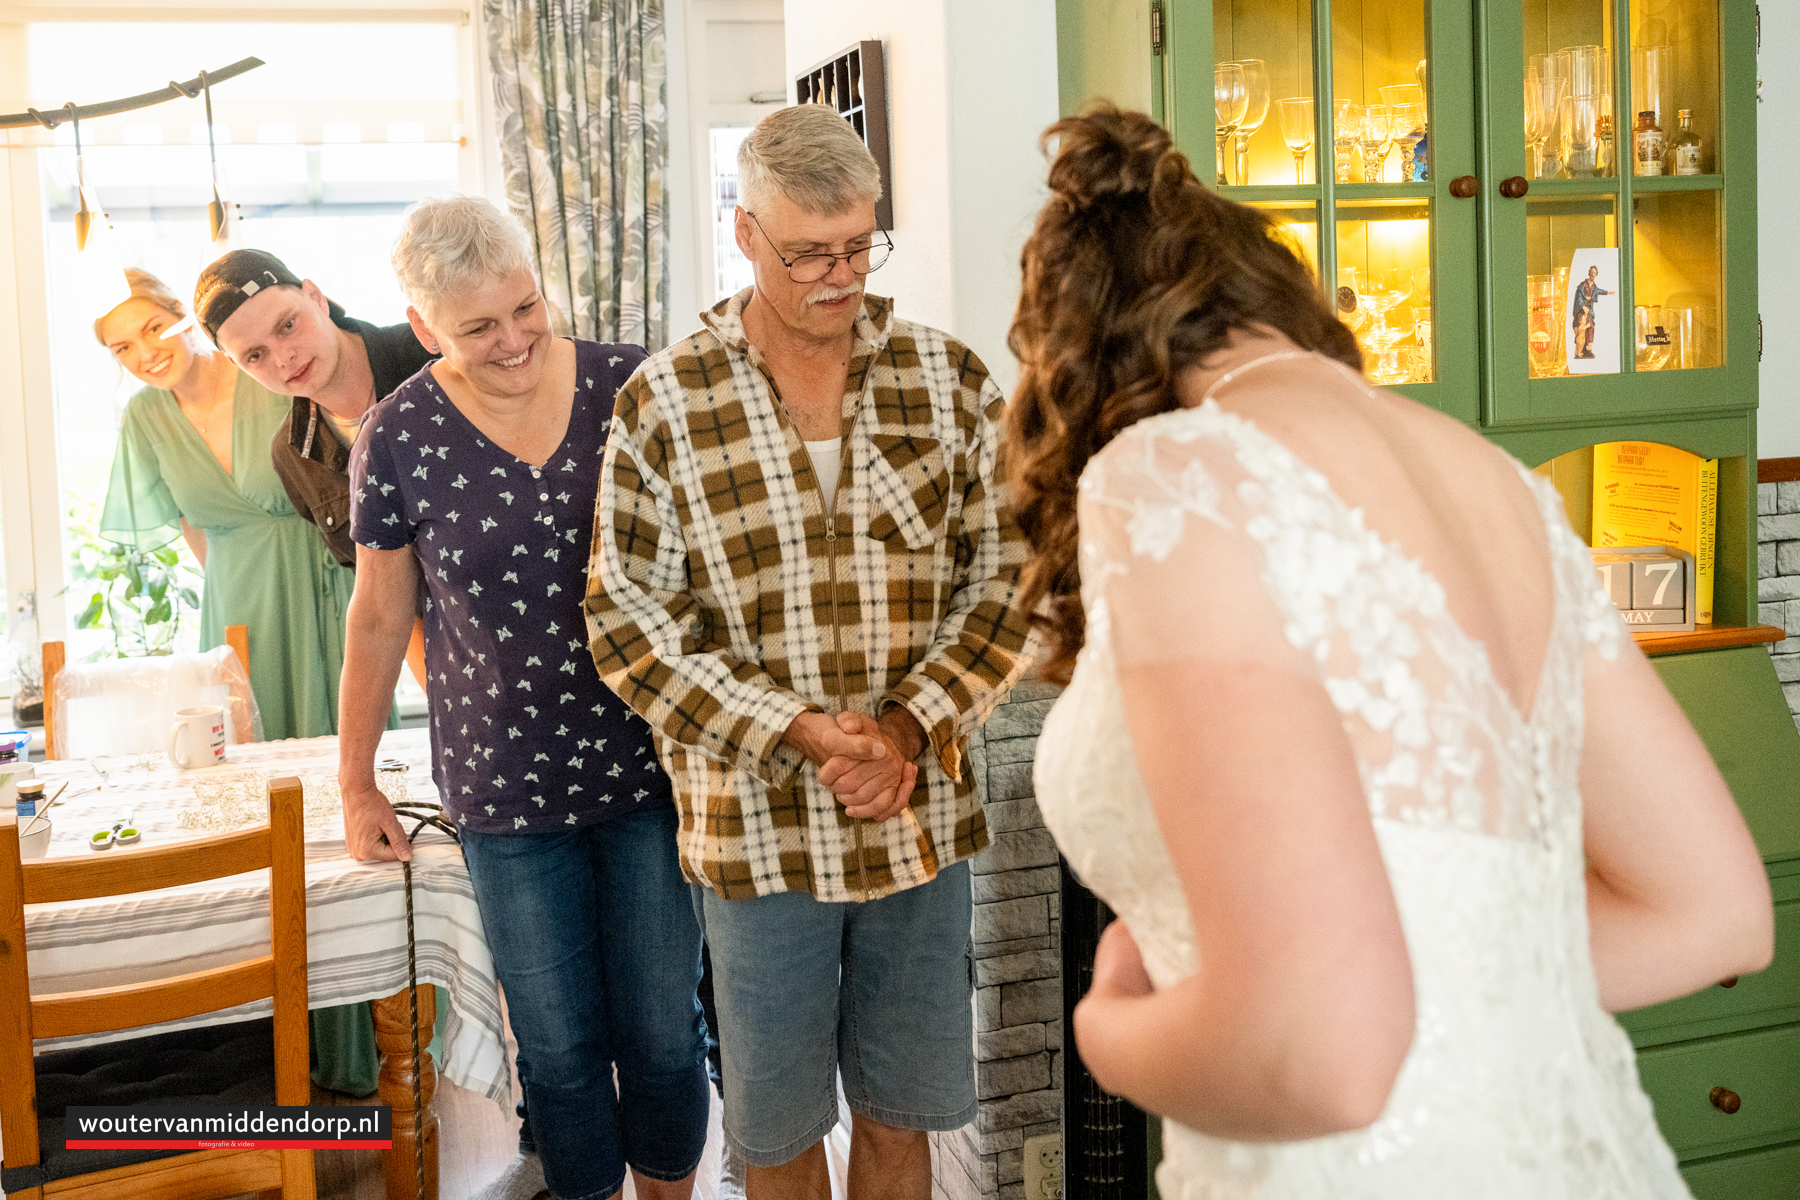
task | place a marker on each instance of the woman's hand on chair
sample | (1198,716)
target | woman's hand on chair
(371,830)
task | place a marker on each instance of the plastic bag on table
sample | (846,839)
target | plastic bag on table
(126,705)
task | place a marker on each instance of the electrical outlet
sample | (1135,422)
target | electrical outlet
(1043,1167)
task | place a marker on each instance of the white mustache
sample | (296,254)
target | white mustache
(833,293)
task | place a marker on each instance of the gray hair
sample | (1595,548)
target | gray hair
(810,155)
(448,243)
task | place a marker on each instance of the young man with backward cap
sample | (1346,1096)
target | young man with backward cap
(290,338)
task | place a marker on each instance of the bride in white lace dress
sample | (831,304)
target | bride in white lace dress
(1392,810)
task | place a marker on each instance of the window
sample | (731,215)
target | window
(320,150)
(736,73)
(734,274)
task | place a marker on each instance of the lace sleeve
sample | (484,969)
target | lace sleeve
(1170,565)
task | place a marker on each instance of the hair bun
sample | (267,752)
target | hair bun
(1106,154)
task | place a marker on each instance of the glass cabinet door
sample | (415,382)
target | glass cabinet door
(1372,163)
(1605,205)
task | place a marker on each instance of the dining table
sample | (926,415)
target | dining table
(356,914)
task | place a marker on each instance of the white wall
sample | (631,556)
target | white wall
(1002,97)
(971,85)
(918,274)
(1778,215)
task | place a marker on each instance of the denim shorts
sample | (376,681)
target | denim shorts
(880,991)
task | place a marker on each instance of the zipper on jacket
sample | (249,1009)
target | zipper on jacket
(837,644)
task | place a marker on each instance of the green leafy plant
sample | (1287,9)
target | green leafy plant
(140,596)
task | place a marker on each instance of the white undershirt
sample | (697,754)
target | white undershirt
(827,458)
(345,426)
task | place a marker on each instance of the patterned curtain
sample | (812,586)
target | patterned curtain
(582,90)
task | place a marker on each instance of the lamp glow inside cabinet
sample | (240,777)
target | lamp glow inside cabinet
(1539,217)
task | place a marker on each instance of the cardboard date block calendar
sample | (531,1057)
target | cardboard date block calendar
(1653,587)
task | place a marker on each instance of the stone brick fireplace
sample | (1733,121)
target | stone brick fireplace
(1018,976)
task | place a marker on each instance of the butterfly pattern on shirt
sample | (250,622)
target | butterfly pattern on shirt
(525,738)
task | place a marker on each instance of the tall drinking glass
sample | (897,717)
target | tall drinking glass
(1543,326)
(1297,131)
(1343,138)
(1230,100)
(1655,342)
(1582,136)
(1256,111)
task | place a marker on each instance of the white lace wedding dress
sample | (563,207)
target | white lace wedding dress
(1518,1085)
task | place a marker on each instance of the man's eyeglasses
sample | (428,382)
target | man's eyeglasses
(810,268)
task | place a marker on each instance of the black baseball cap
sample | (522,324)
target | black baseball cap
(229,281)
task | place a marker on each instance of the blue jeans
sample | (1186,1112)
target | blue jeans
(594,939)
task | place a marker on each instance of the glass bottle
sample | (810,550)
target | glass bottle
(1684,151)
(1647,145)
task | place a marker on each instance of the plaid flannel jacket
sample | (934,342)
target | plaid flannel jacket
(723,599)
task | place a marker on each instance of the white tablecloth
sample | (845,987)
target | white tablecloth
(355,912)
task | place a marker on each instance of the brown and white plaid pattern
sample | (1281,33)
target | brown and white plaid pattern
(723,600)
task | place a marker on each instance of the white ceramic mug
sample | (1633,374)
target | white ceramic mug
(204,741)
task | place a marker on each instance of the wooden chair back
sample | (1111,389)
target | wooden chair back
(55,657)
(281,974)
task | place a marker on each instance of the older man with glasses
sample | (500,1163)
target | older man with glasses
(802,577)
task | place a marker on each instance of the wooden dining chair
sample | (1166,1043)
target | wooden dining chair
(55,657)
(243,1063)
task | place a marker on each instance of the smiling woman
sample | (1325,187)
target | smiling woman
(474,484)
(192,460)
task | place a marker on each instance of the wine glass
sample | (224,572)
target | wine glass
(1256,111)
(1373,124)
(1343,138)
(1544,92)
(1381,290)
(1231,98)
(1409,131)
(1297,131)
(1395,94)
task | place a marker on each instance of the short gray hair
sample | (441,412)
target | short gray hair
(448,243)
(810,155)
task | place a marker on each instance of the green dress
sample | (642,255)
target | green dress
(265,568)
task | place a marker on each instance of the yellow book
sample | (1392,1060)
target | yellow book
(1648,494)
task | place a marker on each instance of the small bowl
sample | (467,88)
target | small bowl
(37,842)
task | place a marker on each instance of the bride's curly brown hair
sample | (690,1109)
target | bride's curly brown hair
(1134,273)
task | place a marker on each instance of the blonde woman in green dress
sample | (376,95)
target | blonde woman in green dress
(193,461)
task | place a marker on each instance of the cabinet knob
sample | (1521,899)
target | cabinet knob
(1729,983)
(1464,187)
(1514,187)
(1725,1100)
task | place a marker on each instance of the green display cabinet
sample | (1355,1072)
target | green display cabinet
(1472,157)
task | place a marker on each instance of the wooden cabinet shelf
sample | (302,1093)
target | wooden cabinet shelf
(1708,637)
